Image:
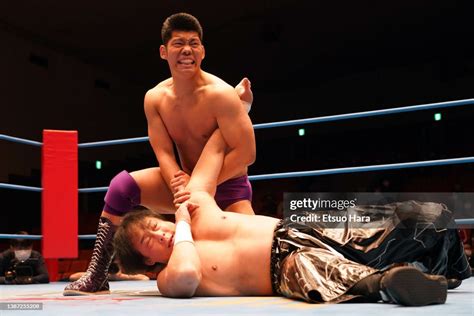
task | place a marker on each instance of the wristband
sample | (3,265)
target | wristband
(183,233)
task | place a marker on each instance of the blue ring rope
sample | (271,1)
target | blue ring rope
(91,190)
(19,187)
(461,221)
(15,236)
(278,124)
(39,237)
(348,116)
(464,221)
(20,140)
(274,175)
(114,142)
(403,165)
(321,119)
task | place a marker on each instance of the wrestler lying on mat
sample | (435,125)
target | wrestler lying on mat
(214,253)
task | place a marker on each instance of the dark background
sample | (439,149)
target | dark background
(86,66)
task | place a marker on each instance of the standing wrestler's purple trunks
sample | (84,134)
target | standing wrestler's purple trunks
(233,190)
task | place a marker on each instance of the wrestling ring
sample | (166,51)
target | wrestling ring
(128,297)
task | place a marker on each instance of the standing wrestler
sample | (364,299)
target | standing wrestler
(184,109)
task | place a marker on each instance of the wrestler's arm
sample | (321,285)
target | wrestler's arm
(182,274)
(159,139)
(206,172)
(237,131)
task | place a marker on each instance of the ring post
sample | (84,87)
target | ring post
(59,197)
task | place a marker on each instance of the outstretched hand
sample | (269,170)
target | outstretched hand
(178,184)
(184,210)
(180,197)
(180,181)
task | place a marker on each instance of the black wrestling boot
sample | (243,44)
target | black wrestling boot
(409,286)
(95,280)
(454,283)
(367,290)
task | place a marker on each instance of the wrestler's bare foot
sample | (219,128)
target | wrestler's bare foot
(245,93)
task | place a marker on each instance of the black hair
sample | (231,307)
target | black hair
(129,259)
(180,22)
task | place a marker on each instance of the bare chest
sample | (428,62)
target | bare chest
(188,121)
(234,261)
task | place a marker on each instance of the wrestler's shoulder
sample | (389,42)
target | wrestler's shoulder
(161,87)
(217,88)
(216,84)
(159,91)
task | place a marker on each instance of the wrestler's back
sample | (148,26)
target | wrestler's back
(234,250)
(189,119)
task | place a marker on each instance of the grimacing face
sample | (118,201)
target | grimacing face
(153,238)
(184,52)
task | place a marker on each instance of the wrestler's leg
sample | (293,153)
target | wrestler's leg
(155,194)
(304,275)
(145,187)
(126,191)
(316,274)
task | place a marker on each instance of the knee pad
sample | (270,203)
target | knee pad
(123,194)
